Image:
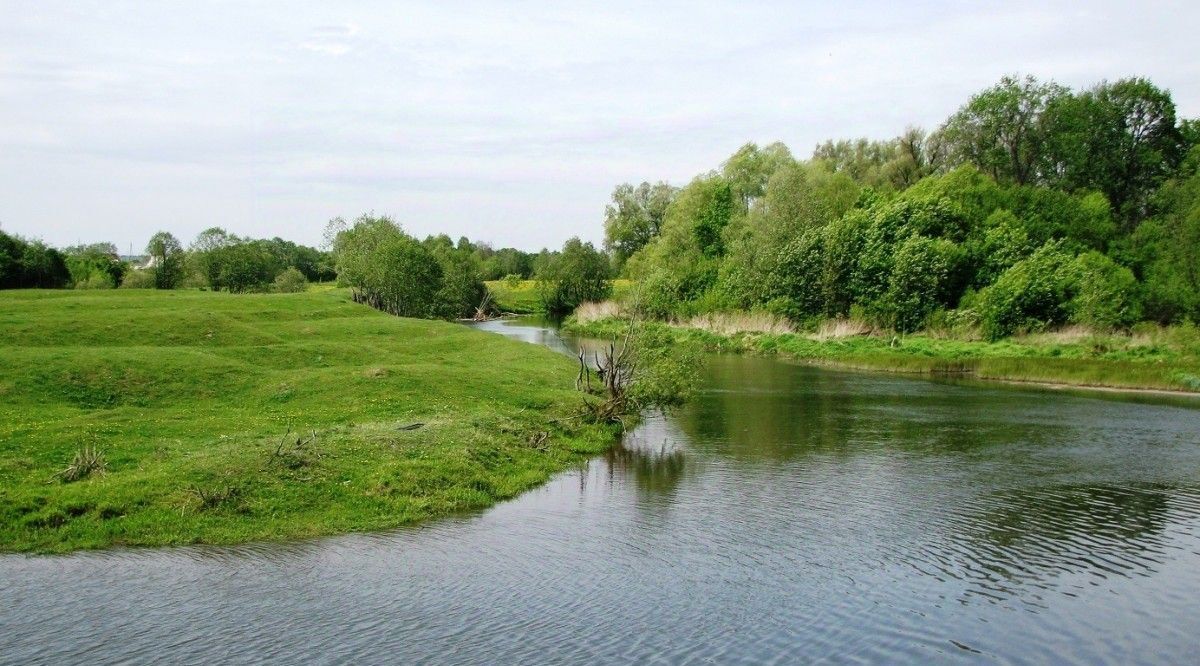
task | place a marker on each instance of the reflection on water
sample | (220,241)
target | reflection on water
(787,514)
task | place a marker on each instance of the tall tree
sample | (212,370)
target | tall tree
(1003,130)
(1118,138)
(167,254)
(635,217)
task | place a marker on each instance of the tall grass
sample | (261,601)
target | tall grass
(732,323)
(590,312)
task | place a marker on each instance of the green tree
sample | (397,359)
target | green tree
(387,269)
(1119,138)
(580,273)
(634,218)
(167,255)
(748,170)
(1004,129)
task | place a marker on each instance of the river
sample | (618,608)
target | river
(788,514)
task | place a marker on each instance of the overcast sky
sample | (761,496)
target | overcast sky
(504,122)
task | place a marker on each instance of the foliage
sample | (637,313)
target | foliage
(388,269)
(167,254)
(95,266)
(28,264)
(138,279)
(635,217)
(580,273)
(1030,296)
(290,281)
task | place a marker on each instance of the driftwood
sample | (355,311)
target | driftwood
(615,367)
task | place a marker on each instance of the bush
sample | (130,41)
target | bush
(920,281)
(138,279)
(1030,296)
(290,281)
(387,269)
(1105,293)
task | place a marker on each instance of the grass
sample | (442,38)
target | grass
(1161,359)
(148,418)
(521,297)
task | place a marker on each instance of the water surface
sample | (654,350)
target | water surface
(789,514)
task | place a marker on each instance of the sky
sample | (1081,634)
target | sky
(505,122)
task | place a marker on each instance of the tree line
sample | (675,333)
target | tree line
(1031,206)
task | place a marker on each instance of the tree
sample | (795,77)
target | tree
(748,170)
(167,255)
(1118,138)
(1003,130)
(387,269)
(30,264)
(95,266)
(635,217)
(579,274)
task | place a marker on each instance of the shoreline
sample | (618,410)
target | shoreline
(1050,367)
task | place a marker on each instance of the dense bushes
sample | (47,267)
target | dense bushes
(578,274)
(1031,207)
(391,271)
(31,264)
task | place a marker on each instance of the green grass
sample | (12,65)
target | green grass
(187,396)
(1168,361)
(522,297)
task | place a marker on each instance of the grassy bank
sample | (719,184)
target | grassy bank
(189,398)
(521,297)
(1168,359)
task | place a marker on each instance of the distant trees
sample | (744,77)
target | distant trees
(95,266)
(26,264)
(1032,206)
(578,274)
(391,271)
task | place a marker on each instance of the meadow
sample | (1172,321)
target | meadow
(149,418)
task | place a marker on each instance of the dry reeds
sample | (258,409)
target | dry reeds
(87,461)
(596,311)
(832,329)
(730,323)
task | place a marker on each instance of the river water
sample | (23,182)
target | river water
(788,514)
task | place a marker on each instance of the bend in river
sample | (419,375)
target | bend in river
(787,514)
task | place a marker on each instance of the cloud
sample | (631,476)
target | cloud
(334,40)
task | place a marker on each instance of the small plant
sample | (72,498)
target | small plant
(212,498)
(87,461)
(294,452)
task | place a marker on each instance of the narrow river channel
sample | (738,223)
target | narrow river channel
(788,514)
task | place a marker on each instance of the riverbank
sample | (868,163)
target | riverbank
(199,417)
(1167,362)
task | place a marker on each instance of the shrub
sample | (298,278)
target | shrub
(1030,296)
(290,281)
(138,279)
(87,461)
(1105,293)
(920,281)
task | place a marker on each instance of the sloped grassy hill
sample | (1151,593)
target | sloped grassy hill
(188,396)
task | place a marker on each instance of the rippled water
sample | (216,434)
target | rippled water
(789,514)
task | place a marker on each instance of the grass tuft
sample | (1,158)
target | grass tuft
(86,462)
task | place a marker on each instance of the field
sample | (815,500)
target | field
(1165,359)
(203,417)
